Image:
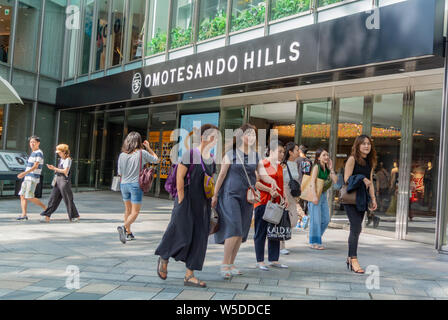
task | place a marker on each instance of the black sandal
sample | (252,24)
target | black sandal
(198,284)
(160,271)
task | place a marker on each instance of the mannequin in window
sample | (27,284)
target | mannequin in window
(428,180)
(392,210)
(382,186)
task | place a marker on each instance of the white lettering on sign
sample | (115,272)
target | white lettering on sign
(253,59)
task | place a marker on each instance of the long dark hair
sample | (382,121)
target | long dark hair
(132,142)
(317,157)
(290,146)
(371,157)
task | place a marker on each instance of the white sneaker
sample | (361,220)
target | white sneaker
(284,252)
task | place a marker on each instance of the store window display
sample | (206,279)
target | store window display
(5,29)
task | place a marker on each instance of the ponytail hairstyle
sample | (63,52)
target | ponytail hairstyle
(290,146)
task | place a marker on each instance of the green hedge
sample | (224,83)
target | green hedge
(210,29)
(252,16)
(180,37)
(285,8)
(157,44)
(323,3)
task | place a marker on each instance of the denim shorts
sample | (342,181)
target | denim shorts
(131,192)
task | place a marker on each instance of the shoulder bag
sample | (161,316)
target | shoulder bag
(252,196)
(347,197)
(294,186)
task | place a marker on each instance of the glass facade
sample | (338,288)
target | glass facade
(102,30)
(136,29)
(285,8)
(45,130)
(1,123)
(116,32)
(212,19)
(73,39)
(87,29)
(246,14)
(157,27)
(27,34)
(19,127)
(181,33)
(6,15)
(316,125)
(323,3)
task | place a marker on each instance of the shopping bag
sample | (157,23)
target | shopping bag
(116,184)
(282,230)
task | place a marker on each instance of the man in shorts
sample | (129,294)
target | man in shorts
(32,177)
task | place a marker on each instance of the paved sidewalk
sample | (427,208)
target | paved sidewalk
(34,258)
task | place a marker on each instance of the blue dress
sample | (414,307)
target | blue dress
(235,213)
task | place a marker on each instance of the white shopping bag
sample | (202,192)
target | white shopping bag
(116,184)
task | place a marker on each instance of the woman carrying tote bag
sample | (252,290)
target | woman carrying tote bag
(318,206)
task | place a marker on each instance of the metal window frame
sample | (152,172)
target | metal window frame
(8,106)
(94,33)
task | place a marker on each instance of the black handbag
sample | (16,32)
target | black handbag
(294,185)
(281,231)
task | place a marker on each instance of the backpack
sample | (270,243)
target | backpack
(171,181)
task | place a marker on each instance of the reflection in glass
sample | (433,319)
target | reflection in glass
(212,19)
(386,135)
(275,116)
(19,126)
(350,126)
(72,45)
(316,125)
(136,29)
(53,38)
(45,127)
(1,124)
(285,8)
(101,35)
(425,163)
(158,27)
(181,28)
(117,32)
(323,3)
(27,28)
(249,13)
(87,37)
(6,14)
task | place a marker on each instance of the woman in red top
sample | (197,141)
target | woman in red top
(275,171)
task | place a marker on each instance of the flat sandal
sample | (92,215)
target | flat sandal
(198,284)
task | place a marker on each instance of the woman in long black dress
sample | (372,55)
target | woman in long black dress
(186,236)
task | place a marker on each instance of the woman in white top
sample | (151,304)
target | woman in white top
(292,152)
(62,187)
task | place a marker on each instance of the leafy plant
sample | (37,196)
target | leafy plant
(285,8)
(180,37)
(252,16)
(216,27)
(157,43)
(323,3)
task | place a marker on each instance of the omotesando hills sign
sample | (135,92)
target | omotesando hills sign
(412,28)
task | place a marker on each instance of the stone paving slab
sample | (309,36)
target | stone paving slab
(34,258)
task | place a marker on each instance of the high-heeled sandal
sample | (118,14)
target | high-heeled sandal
(226,274)
(350,266)
(234,271)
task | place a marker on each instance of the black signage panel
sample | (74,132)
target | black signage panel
(409,29)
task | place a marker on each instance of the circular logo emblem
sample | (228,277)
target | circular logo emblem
(136,83)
